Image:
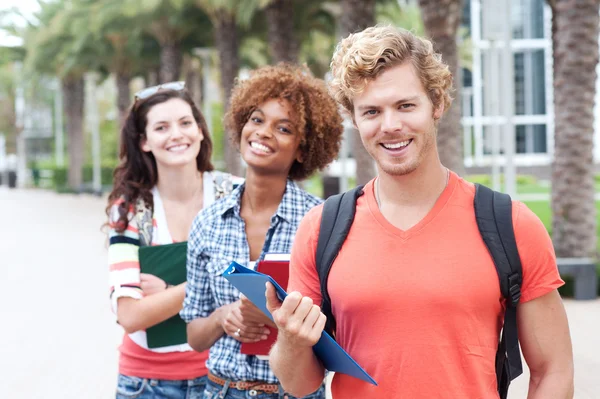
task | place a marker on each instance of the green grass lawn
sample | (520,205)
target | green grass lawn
(544,212)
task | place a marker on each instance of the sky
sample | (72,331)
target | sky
(27,7)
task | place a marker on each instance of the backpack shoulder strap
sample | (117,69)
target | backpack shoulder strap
(336,220)
(493,212)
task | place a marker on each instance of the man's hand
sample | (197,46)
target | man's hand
(150,284)
(243,323)
(299,321)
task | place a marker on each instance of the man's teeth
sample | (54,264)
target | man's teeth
(395,146)
(259,146)
(180,147)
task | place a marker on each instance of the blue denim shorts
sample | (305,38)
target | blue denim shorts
(145,388)
(216,391)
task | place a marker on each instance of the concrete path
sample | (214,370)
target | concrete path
(58,337)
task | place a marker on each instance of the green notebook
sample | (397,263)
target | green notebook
(167,262)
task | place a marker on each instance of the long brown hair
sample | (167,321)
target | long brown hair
(137,172)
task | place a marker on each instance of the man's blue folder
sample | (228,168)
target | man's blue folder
(252,285)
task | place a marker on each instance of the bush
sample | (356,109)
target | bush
(59,177)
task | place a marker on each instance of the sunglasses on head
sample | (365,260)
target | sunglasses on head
(149,91)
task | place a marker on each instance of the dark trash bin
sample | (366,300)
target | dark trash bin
(12,179)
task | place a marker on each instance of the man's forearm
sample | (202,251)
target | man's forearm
(552,385)
(298,369)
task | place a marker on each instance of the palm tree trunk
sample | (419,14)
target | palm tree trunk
(226,37)
(575,60)
(442,19)
(356,16)
(283,44)
(123,95)
(73,93)
(170,62)
(151,78)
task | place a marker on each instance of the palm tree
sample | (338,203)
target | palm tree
(357,15)
(442,20)
(575,54)
(283,43)
(172,23)
(54,48)
(119,46)
(227,17)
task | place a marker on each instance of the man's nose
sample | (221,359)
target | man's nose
(391,122)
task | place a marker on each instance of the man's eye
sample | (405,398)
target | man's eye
(407,106)
(256,120)
(370,112)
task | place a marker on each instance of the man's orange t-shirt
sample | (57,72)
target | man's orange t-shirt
(421,310)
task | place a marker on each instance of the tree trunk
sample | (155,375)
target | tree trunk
(151,78)
(226,37)
(356,16)
(123,96)
(73,94)
(170,62)
(442,19)
(575,60)
(193,79)
(283,44)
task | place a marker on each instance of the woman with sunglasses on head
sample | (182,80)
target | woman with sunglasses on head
(287,127)
(164,179)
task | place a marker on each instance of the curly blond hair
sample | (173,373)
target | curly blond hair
(316,114)
(363,56)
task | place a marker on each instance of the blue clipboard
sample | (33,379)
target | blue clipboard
(252,285)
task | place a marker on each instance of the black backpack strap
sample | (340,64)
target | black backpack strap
(336,220)
(493,211)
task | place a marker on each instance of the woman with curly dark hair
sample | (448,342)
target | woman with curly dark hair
(287,127)
(165,177)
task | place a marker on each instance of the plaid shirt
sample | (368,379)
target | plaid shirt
(218,237)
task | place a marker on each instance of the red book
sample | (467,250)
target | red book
(278,267)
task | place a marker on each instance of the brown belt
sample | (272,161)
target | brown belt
(246,385)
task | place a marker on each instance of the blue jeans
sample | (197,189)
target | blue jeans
(216,391)
(145,388)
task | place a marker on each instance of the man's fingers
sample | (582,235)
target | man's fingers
(312,317)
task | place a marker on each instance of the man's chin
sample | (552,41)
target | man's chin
(397,170)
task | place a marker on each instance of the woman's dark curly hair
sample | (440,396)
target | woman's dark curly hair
(316,113)
(137,172)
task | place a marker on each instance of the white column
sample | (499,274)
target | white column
(508,96)
(477,82)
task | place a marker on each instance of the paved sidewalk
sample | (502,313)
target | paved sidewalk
(59,338)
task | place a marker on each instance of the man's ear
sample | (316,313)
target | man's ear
(438,112)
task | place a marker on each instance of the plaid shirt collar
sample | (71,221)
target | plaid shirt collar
(293,195)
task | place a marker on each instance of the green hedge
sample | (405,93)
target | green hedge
(59,176)
(486,180)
